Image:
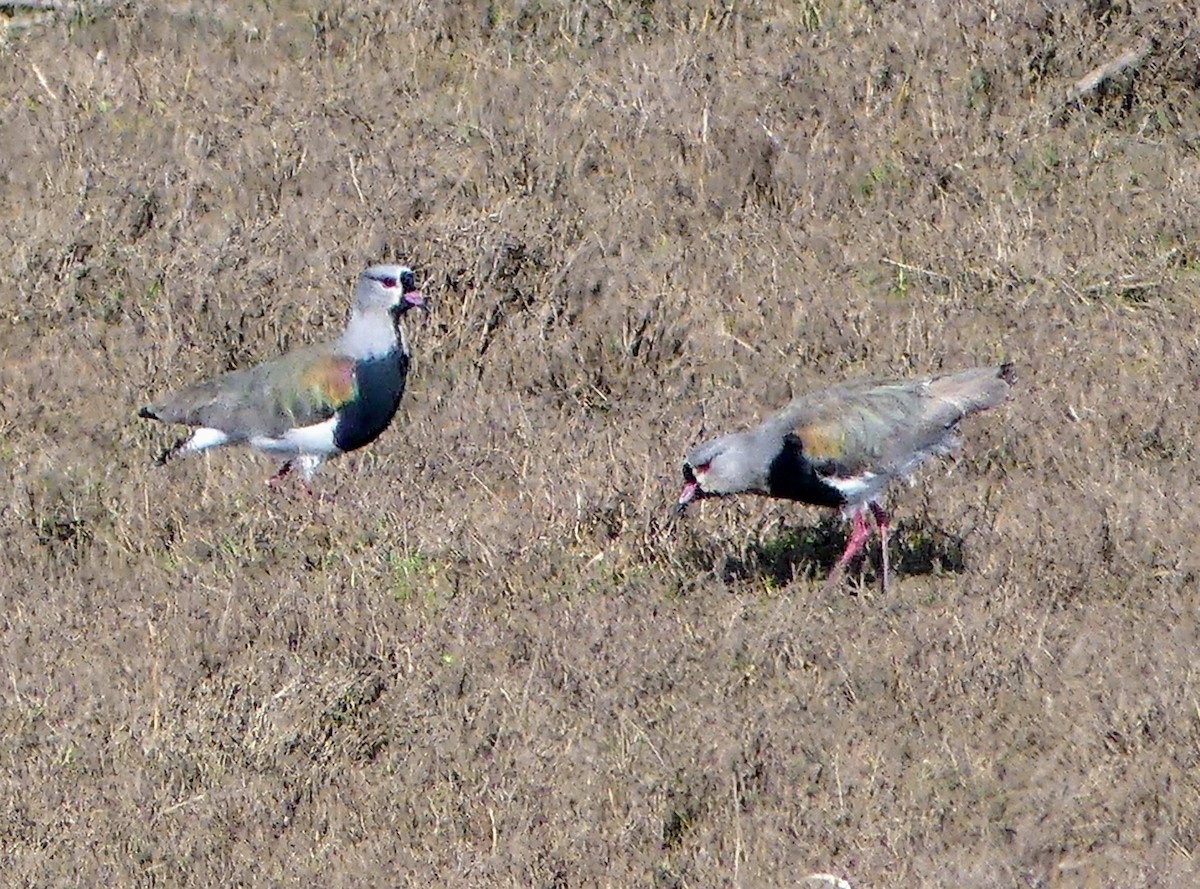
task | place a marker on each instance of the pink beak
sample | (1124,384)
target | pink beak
(686,496)
(416,299)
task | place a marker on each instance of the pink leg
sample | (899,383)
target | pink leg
(859,533)
(883,521)
(273,481)
(171,452)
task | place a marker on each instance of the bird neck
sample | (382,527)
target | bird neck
(370,333)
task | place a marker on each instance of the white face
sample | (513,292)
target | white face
(713,476)
(706,465)
(392,287)
(725,466)
(719,467)
(701,474)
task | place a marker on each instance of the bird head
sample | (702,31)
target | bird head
(722,466)
(390,287)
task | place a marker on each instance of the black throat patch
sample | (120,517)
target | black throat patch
(792,476)
(380,383)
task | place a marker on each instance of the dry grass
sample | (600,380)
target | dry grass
(489,660)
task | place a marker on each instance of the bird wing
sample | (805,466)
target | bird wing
(301,388)
(847,430)
(887,427)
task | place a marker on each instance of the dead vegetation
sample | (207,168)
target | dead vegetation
(490,659)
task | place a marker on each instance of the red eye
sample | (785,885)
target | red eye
(389,283)
(704,467)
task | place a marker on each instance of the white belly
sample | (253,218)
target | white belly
(316,439)
(858,489)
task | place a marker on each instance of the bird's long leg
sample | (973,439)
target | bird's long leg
(859,533)
(308,465)
(273,481)
(172,452)
(883,521)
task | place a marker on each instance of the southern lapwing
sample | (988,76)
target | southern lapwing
(315,402)
(839,448)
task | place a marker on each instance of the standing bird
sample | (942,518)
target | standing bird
(839,448)
(315,402)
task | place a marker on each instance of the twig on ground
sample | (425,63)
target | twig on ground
(915,269)
(45,83)
(1097,76)
(1122,286)
(16,8)
(30,5)
(828,880)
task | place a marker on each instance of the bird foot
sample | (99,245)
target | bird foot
(832,582)
(171,452)
(275,482)
(277,479)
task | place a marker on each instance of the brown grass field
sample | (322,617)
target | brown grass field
(486,656)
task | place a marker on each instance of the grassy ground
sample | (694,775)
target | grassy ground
(487,658)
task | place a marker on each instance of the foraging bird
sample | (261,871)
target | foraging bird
(839,448)
(315,402)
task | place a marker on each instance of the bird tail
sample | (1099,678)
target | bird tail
(178,407)
(973,390)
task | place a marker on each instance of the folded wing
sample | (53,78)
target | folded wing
(299,389)
(888,427)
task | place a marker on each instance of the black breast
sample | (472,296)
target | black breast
(792,476)
(380,383)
